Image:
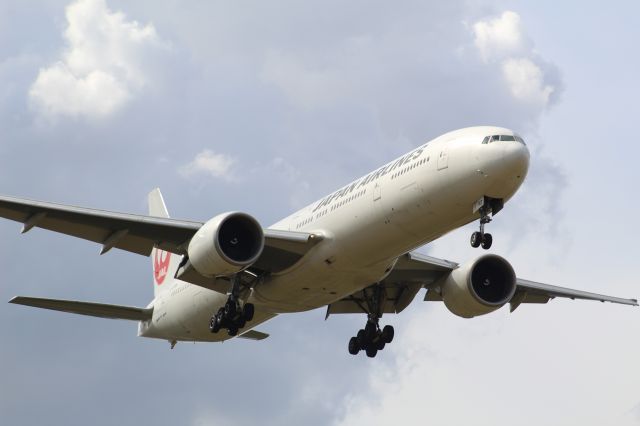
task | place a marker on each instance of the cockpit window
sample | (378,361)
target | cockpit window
(496,138)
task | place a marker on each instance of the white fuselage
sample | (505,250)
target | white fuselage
(366,225)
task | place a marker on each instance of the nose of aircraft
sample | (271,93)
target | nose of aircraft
(505,165)
(515,156)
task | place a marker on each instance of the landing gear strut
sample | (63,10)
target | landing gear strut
(232,316)
(371,338)
(480,238)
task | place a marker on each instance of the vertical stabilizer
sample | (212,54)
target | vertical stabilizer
(156,204)
(165,264)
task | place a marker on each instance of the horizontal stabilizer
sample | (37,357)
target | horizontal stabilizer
(254,335)
(87,308)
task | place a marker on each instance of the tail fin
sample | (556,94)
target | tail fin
(165,264)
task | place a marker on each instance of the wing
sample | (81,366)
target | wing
(414,271)
(140,234)
(87,308)
(534,292)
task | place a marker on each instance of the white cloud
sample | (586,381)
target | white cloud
(304,86)
(526,82)
(490,370)
(102,67)
(299,188)
(502,40)
(499,36)
(210,164)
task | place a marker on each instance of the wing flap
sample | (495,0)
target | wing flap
(253,335)
(100,310)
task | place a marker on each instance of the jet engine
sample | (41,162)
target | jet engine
(479,287)
(226,244)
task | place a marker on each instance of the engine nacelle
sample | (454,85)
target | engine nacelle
(226,244)
(479,287)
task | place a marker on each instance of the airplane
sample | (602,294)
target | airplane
(351,252)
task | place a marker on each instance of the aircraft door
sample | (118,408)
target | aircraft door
(377,192)
(378,206)
(443,158)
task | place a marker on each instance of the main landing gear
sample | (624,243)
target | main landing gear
(371,338)
(480,238)
(232,316)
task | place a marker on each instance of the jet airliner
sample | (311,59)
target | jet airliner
(351,252)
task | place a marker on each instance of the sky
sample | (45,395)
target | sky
(264,107)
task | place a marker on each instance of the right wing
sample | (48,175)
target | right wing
(130,232)
(87,308)
(140,234)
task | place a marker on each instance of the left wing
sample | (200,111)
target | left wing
(414,271)
(140,234)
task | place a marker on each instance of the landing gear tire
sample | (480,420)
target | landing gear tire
(213,325)
(476,239)
(370,330)
(230,309)
(354,347)
(231,317)
(387,334)
(216,321)
(249,310)
(371,339)
(487,240)
(241,322)
(361,337)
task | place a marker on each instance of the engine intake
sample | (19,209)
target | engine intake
(226,244)
(480,287)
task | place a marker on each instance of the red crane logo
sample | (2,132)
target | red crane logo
(161,265)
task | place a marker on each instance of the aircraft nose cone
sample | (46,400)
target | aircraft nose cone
(506,168)
(516,158)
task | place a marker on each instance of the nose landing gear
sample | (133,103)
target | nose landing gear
(480,238)
(488,208)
